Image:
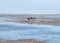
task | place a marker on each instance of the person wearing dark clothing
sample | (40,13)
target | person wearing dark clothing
(31,18)
(28,18)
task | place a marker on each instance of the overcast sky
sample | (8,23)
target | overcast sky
(29,6)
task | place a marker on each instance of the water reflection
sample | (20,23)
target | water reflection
(41,32)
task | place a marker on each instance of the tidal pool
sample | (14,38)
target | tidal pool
(11,31)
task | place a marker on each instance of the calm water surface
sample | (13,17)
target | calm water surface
(11,31)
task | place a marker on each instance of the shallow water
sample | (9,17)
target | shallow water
(11,31)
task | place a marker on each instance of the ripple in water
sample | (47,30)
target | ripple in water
(24,31)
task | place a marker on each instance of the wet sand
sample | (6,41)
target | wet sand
(23,41)
(47,19)
(54,22)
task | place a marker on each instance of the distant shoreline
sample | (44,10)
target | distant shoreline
(22,18)
(39,22)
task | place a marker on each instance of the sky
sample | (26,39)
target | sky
(29,6)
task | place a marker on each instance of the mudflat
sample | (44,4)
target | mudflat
(47,19)
(23,41)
